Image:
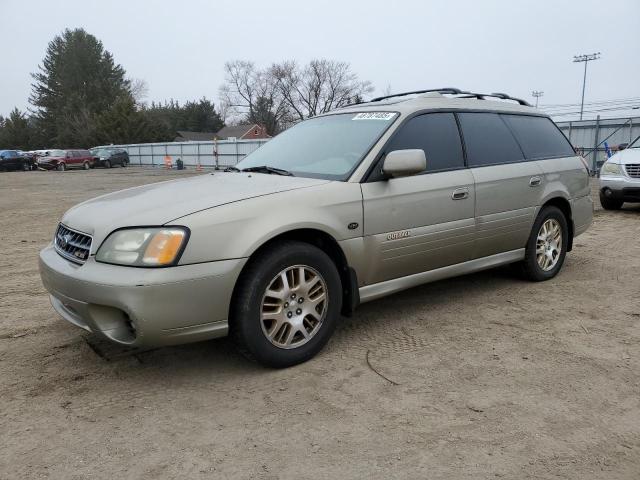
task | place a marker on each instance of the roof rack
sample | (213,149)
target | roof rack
(456,91)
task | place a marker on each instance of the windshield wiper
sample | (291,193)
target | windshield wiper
(268,169)
(232,169)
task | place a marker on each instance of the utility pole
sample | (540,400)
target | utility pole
(586,59)
(537,94)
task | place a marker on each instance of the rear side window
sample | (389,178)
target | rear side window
(435,133)
(538,137)
(488,140)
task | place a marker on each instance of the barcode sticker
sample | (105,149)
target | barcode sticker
(385,116)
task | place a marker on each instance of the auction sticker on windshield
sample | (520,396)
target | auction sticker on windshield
(374,116)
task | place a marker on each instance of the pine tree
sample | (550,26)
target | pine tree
(17,132)
(77,81)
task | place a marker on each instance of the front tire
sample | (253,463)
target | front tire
(610,203)
(286,304)
(547,245)
(107,164)
(61,167)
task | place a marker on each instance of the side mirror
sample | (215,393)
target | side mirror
(402,163)
(622,146)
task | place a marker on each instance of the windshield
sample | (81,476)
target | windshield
(327,147)
(100,152)
(635,143)
(57,153)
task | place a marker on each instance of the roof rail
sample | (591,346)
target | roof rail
(456,91)
(501,96)
(451,91)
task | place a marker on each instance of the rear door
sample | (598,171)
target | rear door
(426,221)
(508,188)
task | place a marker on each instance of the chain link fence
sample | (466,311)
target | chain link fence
(590,136)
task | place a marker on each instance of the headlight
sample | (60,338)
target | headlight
(611,169)
(144,247)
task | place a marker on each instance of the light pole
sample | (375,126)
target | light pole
(586,59)
(537,94)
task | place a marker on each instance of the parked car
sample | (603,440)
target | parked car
(14,160)
(107,157)
(65,159)
(341,209)
(620,177)
(30,159)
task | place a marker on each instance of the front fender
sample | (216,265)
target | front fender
(237,230)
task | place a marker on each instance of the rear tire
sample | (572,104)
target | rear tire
(610,203)
(124,164)
(86,165)
(547,245)
(278,323)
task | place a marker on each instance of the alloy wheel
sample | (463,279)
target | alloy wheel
(549,244)
(294,306)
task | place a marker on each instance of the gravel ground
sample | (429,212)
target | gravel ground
(486,375)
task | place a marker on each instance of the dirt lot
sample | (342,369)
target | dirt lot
(489,376)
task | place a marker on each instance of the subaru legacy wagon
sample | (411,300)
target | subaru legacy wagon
(341,209)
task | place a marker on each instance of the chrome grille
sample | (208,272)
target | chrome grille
(633,170)
(72,245)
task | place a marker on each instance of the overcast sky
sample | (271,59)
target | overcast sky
(179,47)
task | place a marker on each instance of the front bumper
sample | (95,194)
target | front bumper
(48,165)
(142,306)
(621,188)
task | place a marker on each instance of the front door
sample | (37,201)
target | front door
(426,221)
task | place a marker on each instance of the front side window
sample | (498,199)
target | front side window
(437,135)
(538,137)
(328,147)
(488,140)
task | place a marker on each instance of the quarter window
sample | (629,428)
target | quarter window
(437,135)
(538,137)
(488,140)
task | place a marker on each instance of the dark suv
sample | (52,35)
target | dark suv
(108,157)
(14,160)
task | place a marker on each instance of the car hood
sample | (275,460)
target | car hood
(630,155)
(164,202)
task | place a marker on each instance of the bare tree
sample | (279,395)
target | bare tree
(253,93)
(318,87)
(139,89)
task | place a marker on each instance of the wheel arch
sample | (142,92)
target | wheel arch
(329,245)
(565,207)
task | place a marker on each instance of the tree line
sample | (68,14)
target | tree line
(81,97)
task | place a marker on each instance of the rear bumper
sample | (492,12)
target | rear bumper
(582,214)
(621,188)
(142,307)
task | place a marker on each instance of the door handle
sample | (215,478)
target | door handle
(535,181)
(460,194)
